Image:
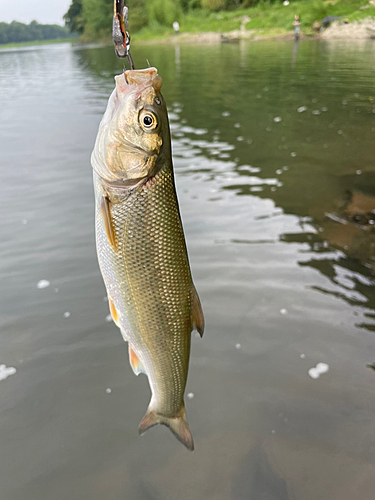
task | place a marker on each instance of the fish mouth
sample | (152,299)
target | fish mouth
(132,79)
(148,76)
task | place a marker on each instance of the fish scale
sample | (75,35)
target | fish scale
(152,280)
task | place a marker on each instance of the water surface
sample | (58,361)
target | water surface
(273,149)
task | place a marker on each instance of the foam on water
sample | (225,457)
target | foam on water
(43,284)
(5,371)
(318,370)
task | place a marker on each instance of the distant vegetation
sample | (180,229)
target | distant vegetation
(16,32)
(93,18)
(153,18)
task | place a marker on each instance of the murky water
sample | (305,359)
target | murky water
(274,158)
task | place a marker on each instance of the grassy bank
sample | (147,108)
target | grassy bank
(265,17)
(37,42)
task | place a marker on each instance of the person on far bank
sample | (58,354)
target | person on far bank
(296,25)
(176,27)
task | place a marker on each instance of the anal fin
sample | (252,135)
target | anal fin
(107,220)
(196,313)
(135,362)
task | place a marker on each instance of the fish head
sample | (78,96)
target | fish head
(133,141)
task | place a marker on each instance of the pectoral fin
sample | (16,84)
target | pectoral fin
(196,313)
(135,362)
(107,220)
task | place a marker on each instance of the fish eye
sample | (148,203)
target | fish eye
(148,120)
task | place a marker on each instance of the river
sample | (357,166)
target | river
(273,147)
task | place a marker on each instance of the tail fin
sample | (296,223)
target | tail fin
(178,425)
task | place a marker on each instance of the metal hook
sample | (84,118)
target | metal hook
(120,35)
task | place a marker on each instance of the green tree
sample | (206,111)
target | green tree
(163,12)
(97,17)
(73,17)
(225,4)
(213,4)
(19,32)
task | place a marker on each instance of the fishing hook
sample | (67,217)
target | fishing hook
(120,35)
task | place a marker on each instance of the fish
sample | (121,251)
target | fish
(141,245)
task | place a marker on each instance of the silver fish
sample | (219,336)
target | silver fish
(141,245)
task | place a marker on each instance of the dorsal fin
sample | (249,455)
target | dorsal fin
(196,313)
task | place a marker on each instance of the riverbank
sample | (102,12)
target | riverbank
(226,37)
(357,30)
(362,29)
(38,42)
(263,21)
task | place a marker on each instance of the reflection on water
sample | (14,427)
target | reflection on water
(274,160)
